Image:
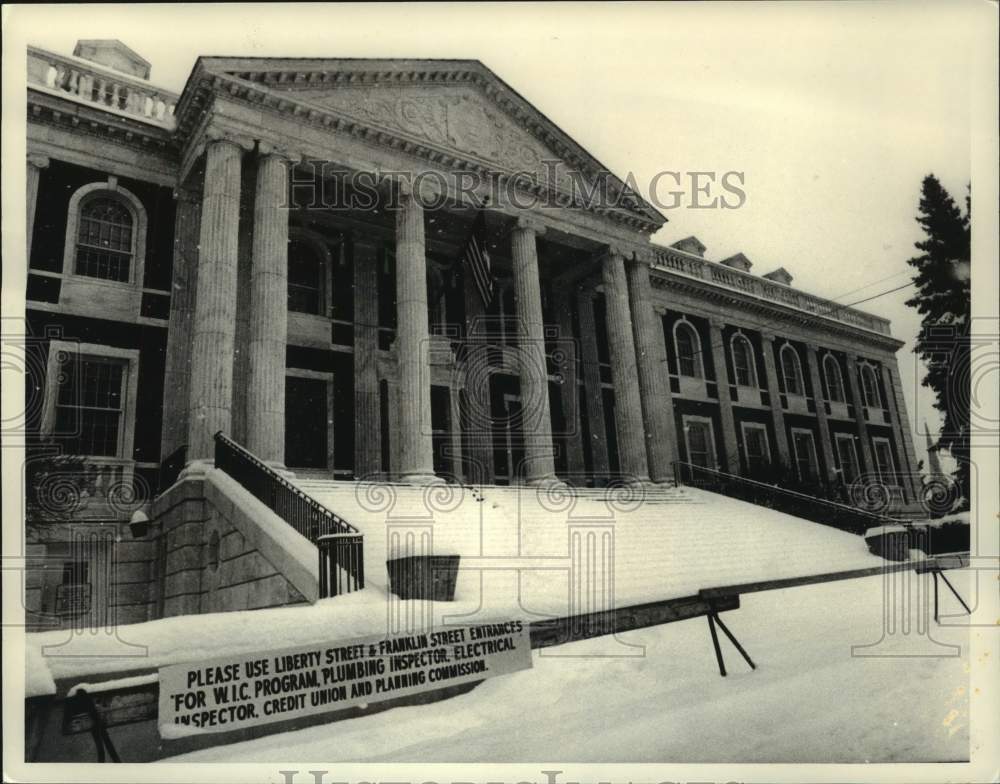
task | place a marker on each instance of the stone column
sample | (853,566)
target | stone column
(416,447)
(177,371)
(774,395)
(476,418)
(730,444)
(867,464)
(367,412)
(35,165)
(214,331)
(569,390)
(268,328)
(901,431)
(826,445)
(592,384)
(624,375)
(535,414)
(654,382)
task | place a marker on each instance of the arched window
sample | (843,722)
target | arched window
(688,346)
(869,387)
(834,379)
(105,239)
(105,234)
(791,370)
(743,361)
(306,278)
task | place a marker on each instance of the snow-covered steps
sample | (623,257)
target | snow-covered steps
(543,554)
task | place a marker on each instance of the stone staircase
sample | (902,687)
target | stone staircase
(541,553)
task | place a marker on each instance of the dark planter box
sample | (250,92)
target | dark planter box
(424,577)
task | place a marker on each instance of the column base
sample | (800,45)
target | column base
(421,479)
(547,483)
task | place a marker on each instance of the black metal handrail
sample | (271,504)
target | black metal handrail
(340,544)
(808,507)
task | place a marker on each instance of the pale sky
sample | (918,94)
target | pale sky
(833,112)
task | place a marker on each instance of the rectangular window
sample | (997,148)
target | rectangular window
(804,447)
(700,444)
(848,456)
(884,462)
(89,405)
(756,449)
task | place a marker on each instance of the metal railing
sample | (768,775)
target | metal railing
(808,507)
(340,544)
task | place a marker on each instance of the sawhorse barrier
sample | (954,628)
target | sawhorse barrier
(713,596)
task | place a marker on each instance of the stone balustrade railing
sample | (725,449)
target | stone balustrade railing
(675,261)
(89,83)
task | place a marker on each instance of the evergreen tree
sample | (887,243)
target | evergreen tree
(943,299)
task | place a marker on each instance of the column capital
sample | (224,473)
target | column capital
(38,161)
(216,134)
(644,257)
(767,336)
(530,223)
(266,148)
(614,249)
(716,323)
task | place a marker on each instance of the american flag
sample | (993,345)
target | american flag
(477,258)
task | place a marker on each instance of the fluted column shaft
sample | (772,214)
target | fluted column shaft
(268,311)
(536,418)
(215,309)
(654,383)
(35,165)
(624,375)
(416,448)
(774,395)
(717,345)
(826,445)
(596,432)
(367,412)
(177,370)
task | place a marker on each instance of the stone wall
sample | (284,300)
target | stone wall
(215,556)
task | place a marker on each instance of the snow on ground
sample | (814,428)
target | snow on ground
(810,700)
(674,544)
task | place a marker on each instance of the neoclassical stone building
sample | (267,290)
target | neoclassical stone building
(279,253)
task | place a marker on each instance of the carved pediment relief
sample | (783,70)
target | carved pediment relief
(453,117)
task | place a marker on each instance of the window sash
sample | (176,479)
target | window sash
(743,363)
(804,445)
(848,458)
(687,352)
(791,371)
(834,381)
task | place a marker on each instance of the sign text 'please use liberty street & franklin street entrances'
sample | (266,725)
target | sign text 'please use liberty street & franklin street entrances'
(244,691)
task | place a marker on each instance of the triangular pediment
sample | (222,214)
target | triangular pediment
(458,107)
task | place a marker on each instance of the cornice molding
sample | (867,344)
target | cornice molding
(777,312)
(205,84)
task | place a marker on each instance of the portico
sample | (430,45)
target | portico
(274,156)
